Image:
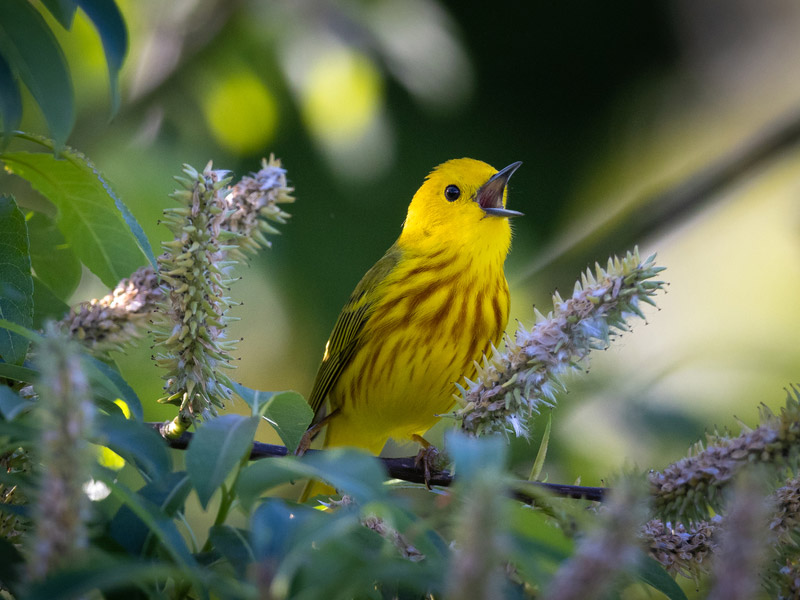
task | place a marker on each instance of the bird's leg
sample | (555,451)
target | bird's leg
(426,457)
(311,433)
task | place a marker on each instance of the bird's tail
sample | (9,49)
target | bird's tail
(313,488)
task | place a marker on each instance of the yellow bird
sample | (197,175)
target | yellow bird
(421,316)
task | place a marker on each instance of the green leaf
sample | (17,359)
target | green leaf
(171,494)
(17,373)
(266,474)
(12,404)
(290,415)
(109,384)
(34,55)
(350,560)
(98,226)
(62,10)
(168,493)
(423,535)
(52,258)
(216,449)
(100,576)
(651,572)
(10,101)
(233,544)
(83,581)
(255,399)
(46,305)
(136,442)
(159,524)
(274,526)
(538,546)
(111,26)
(16,283)
(288,412)
(86,213)
(11,567)
(538,464)
(15,434)
(354,472)
(28,334)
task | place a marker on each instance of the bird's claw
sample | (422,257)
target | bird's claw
(427,458)
(311,433)
(305,442)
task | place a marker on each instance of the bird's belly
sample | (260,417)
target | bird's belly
(414,384)
(405,376)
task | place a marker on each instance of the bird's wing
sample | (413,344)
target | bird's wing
(346,335)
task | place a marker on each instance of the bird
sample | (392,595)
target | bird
(435,303)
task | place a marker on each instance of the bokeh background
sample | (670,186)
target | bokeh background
(620,112)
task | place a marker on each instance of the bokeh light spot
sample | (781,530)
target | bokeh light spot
(241,113)
(341,96)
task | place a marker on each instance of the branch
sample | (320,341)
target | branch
(406,469)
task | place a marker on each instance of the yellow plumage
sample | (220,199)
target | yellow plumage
(422,315)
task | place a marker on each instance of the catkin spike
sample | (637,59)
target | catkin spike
(517,381)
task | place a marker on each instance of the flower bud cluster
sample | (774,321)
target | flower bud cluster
(110,322)
(787,587)
(686,490)
(516,382)
(682,550)
(65,412)
(253,202)
(688,550)
(786,519)
(192,345)
(783,579)
(213,227)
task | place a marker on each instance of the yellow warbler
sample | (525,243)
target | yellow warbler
(421,315)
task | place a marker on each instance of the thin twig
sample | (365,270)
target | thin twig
(406,469)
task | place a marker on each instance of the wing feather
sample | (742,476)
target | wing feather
(346,336)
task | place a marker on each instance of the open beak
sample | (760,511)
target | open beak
(490,194)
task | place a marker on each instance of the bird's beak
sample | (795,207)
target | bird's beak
(490,194)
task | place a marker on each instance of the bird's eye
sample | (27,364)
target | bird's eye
(452,193)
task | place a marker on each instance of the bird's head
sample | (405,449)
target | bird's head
(462,200)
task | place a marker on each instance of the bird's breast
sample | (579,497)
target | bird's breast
(436,315)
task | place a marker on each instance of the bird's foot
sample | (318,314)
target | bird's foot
(311,433)
(427,457)
(305,442)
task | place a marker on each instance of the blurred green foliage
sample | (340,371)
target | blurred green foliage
(606,104)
